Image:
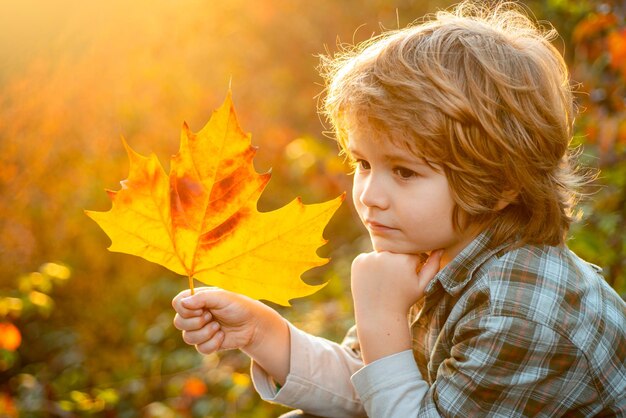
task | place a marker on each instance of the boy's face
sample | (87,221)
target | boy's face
(405,205)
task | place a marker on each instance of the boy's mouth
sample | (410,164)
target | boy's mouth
(374,226)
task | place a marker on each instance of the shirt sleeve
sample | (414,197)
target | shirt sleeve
(391,386)
(513,367)
(318,380)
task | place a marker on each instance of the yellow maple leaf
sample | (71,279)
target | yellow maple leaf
(202,221)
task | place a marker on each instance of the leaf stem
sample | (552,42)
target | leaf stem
(191,285)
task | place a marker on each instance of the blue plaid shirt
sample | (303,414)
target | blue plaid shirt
(534,331)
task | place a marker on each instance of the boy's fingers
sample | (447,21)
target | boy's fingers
(429,270)
(183,309)
(192,323)
(178,297)
(431,267)
(187,313)
(421,260)
(176,303)
(211,345)
(202,335)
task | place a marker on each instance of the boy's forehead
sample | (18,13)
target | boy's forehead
(393,146)
(398,150)
(392,143)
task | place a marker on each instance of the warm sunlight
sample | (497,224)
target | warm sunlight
(88,330)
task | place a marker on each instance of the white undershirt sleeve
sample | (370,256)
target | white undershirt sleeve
(391,386)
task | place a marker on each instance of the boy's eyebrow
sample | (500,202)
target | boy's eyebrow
(351,152)
(392,158)
(402,159)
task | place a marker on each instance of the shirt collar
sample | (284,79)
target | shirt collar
(455,275)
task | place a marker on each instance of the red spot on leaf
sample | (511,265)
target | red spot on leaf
(222,186)
(187,189)
(183,194)
(210,238)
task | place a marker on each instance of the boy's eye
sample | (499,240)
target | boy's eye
(404,173)
(363,165)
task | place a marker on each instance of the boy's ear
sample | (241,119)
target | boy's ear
(508,196)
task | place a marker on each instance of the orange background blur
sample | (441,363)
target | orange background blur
(94,326)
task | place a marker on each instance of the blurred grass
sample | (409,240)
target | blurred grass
(78,75)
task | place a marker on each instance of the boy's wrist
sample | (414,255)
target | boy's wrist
(268,323)
(382,335)
(369,315)
(270,345)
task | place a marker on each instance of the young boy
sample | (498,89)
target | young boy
(458,129)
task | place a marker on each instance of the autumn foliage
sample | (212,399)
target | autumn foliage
(10,336)
(95,326)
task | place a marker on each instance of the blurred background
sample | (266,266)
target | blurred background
(87,332)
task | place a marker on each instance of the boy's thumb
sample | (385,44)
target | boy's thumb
(431,267)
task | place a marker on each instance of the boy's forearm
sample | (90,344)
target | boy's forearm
(382,335)
(271,346)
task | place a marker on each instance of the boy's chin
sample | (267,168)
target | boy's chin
(380,245)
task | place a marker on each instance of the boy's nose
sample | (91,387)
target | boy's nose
(374,193)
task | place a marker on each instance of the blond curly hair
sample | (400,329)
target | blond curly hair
(481,93)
